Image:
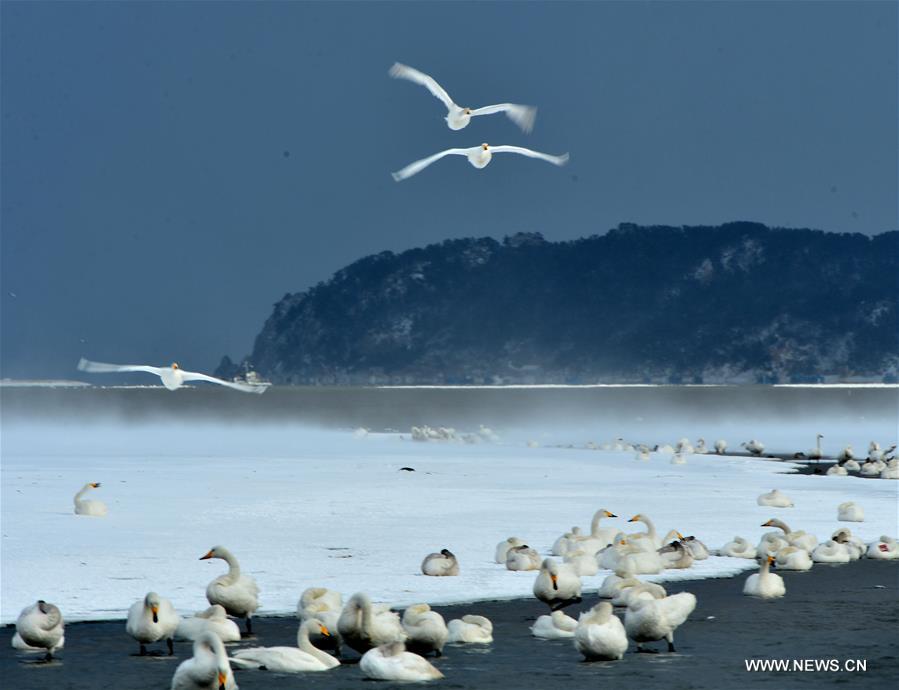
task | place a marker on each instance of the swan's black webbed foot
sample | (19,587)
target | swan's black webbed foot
(143,650)
(671,648)
(171,645)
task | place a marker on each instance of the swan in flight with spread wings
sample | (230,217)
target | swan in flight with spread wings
(478,156)
(172,377)
(458,117)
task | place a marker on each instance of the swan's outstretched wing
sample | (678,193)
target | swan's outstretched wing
(400,71)
(104,368)
(418,166)
(245,387)
(521,115)
(555,160)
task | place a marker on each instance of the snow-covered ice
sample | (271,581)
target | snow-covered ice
(304,508)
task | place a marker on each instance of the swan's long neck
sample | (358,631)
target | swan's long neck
(650,528)
(818,446)
(364,604)
(233,565)
(782,525)
(764,570)
(594,525)
(79,496)
(601,614)
(306,645)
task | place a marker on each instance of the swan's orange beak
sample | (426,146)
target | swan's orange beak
(209,554)
(679,535)
(771,559)
(223,678)
(634,519)
(324,631)
(155,610)
(96,485)
(175,365)
(555,581)
(766,524)
(608,514)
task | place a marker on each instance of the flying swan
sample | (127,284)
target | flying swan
(458,117)
(478,156)
(173,377)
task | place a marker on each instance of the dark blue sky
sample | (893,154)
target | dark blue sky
(151,214)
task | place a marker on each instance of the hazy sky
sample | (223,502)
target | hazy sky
(169,170)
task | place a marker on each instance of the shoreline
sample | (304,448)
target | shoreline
(844,612)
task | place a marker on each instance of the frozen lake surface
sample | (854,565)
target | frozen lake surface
(303,506)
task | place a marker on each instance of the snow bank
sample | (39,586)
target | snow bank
(302,508)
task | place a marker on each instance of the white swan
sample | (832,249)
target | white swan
(831,552)
(609,587)
(855,546)
(699,550)
(878,455)
(363,625)
(173,377)
(611,557)
(720,446)
(815,453)
(599,537)
(648,619)
(41,626)
(16,642)
(700,448)
(522,558)
(557,585)
(683,446)
(93,508)
(764,583)
(754,447)
(502,549)
(470,629)
(850,512)
(323,605)
(642,454)
(458,117)
(648,540)
(846,454)
(214,620)
(641,562)
(800,539)
(393,662)
(554,626)
(151,619)
(425,629)
(563,543)
(872,468)
(584,563)
(885,549)
(478,156)
(852,466)
(237,593)
(443,564)
(836,471)
(793,558)
(304,657)
(600,634)
(738,547)
(891,471)
(207,668)
(775,499)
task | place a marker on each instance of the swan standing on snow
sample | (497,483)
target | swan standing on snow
(208,668)
(393,662)
(599,635)
(764,583)
(93,508)
(648,540)
(522,558)
(151,619)
(470,629)
(441,564)
(362,625)
(738,547)
(555,626)
(303,657)
(502,549)
(214,620)
(557,585)
(885,549)
(850,512)
(478,156)
(648,619)
(41,626)
(173,377)
(754,447)
(720,446)
(599,537)
(458,117)
(426,630)
(237,593)
(775,499)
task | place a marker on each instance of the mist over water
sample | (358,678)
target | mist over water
(786,419)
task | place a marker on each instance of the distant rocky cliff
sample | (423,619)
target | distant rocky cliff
(734,303)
